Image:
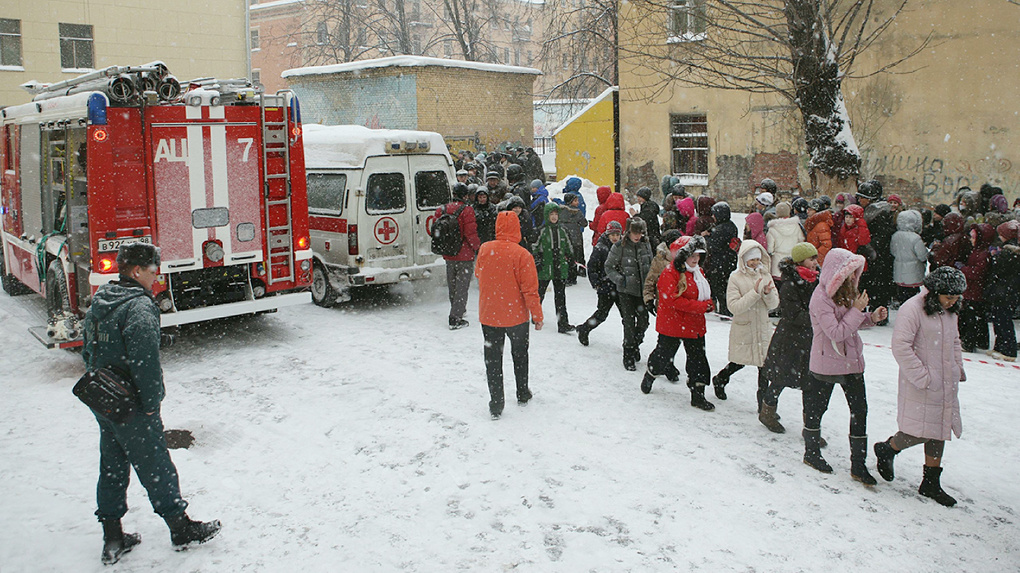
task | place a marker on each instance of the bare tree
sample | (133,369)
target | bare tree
(582,40)
(799,50)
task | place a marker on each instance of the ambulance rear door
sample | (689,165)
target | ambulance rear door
(385,233)
(431,177)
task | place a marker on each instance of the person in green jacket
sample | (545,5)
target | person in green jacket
(122,334)
(553,256)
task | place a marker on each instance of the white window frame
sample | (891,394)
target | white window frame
(676,145)
(684,19)
(13,37)
(253,34)
(74,42)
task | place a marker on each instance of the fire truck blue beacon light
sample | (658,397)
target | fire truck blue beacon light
(97,109)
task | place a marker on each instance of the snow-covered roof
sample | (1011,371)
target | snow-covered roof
(329,146)
(584,110)
(273,4)
(407,61)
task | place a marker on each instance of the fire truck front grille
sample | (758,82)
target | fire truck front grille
(209,287)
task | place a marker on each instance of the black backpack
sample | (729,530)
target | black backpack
(446,237)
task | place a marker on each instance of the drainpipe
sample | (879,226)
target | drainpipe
(247,37)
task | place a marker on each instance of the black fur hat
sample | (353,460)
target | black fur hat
(137,254)
(946,280)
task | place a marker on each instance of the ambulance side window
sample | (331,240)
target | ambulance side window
(385,193)
(432,189)
(326,193)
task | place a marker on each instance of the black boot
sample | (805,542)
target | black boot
(812,451)
(719,382)
(672,374)
(115,542)
(564,328)
(930,487)
(859,460)
(628,360)
(185,532)
(582,333)
(885,454)
(647,381)
(770,419)
(698,398)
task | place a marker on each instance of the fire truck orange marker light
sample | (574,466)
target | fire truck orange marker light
(99,135)
(296,131)
(302,243)
(105,265)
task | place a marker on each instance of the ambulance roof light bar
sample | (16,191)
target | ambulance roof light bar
(407,146)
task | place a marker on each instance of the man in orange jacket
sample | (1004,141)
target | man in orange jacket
(508,294)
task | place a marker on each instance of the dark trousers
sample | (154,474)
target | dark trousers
(817,393)
(458,278)
(1005,331)
(763,383)
(635,320)
(973,325)
(605,304)
(495,336)
(559,297)
(718,285)
(139,443)
(660,361)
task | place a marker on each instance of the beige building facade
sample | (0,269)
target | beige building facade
(51,40)
(948,119)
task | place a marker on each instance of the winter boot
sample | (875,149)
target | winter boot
(647,381)
(582,333)
(698,398)
(628,360)
(564,328)
(719,382)
(115,542)
(859,461)
(885,454)
(185,532)
(930,487)
(770,419)
(812,451)
(672,374)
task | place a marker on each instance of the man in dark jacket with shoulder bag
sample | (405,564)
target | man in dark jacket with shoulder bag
(122,335)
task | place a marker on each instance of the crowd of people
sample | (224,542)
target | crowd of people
(823,268)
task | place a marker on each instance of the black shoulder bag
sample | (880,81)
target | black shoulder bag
(108,392)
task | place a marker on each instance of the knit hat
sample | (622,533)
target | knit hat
(645,193)
(637,225)
(137,253)
(459,190)
(946,280)
(752,253)
(536,183)
(492,175)
(765,199)
(871,190)
(856,211)
(800,205)
(670,236)
(783,209)
(614,227)
(802,252)
(816,204)
(769,186)
(942,209)
(894,198)
(462,172)
(826,202)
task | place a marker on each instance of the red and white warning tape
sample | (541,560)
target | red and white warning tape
(965,359)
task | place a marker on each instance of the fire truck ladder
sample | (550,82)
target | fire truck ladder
(276,144)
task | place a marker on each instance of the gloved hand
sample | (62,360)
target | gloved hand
(650,306)
(709,305)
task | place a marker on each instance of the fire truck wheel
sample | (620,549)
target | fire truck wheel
(11,285)
(57,300)
(323,293)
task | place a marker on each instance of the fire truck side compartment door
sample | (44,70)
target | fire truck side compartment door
(31,185)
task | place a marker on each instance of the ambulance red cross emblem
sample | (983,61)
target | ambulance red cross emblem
(386,230)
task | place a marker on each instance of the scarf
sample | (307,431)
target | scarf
(807,274)
(704,291)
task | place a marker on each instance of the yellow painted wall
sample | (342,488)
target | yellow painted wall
(585,147)
(195,38)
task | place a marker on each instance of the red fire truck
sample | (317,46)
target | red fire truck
(213,174)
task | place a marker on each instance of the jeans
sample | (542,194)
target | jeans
(495,336)
(458,278)
(817,393)
(559,296)
(635,320)
(660,361)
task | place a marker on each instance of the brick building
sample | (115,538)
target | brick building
(473,105)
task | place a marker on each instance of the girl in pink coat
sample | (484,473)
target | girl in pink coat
(926,345)
(837,357)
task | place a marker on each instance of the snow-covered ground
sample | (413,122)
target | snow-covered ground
(358,439)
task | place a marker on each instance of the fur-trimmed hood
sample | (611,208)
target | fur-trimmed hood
(687,247)
(766,260)
(840,264)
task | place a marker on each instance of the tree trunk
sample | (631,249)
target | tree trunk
(830,185)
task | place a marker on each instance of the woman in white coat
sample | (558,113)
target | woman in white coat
(750,295)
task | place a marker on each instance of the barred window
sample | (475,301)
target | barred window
(689,136)
(76,50)
(687,21)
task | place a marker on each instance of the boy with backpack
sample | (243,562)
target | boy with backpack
(455,236)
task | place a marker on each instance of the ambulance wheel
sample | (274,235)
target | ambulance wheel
(323,293)
(57,300)
(11,285)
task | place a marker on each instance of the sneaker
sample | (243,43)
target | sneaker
(457,323)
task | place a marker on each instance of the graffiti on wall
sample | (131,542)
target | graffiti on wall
(938,178)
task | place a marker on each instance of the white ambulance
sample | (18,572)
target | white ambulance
(372,199)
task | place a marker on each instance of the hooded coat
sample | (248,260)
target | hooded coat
(976,267)
(928,351)
(574,222)
(122,333)
(680,314)
(597,276)
(722,257)
(819,233)
(539,199)
(602,193)
(628,263)
(788,361)
(837,348)
(910,256)
(615,211)
(750,331)
(468,230)
(485,217)
(649,213)
(1002,285)
(704,221)
(854,236)
(688,213)
(955,247)
(782,236)
(552,251)
(507,279)
(756,226)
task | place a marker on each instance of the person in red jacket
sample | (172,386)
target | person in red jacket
(460,266)
(602,193)
(684,298)
(854,233)
(615,211)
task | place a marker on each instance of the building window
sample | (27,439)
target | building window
(254,33)
(76,52)
(362,37)
(416,44)
(687,21)
(689,136)
(256,78)
(321,34)
(448,49)
(10,42)
(529,58)
(566,62)
(517,56)
(506,55)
